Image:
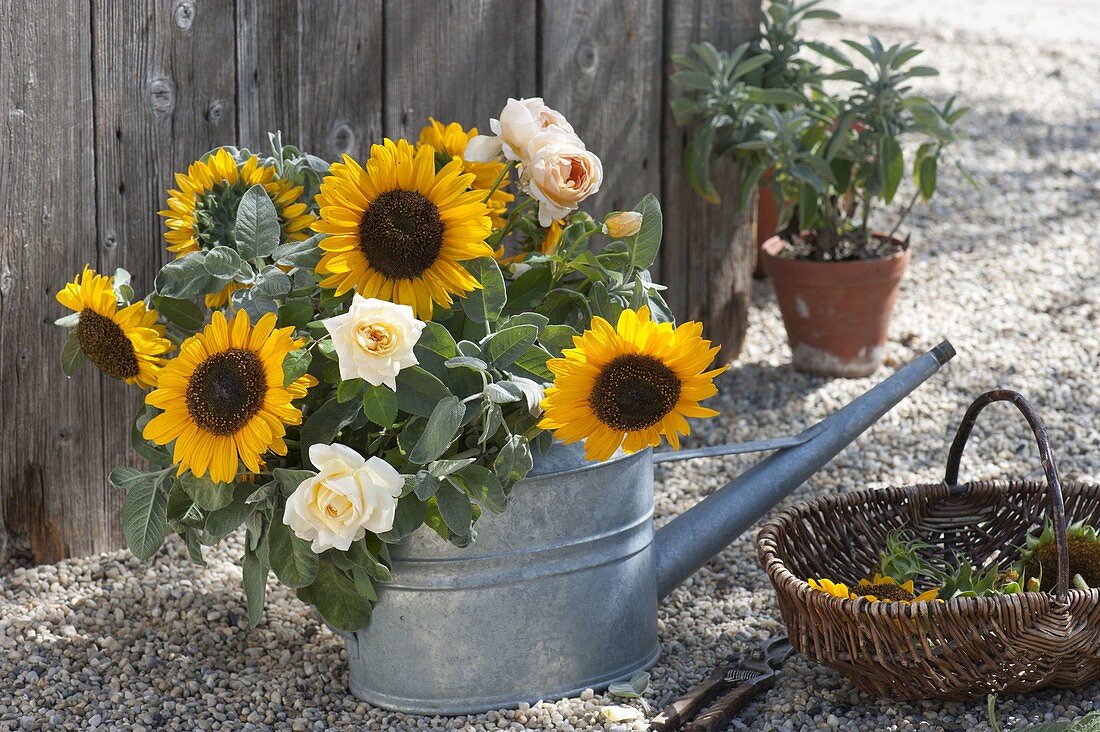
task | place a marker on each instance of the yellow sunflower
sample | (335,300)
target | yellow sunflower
(451,140)
(629,385)
(202,211)
(223,397)
(125,344)
(887,589)
(836,589)
(398,230)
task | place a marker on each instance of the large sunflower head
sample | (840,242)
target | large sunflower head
(202,211)
(836,589)
(125,343)
(398,229)
(223,397)
(630,384)
(887,589)
(449,142)
(1040,555)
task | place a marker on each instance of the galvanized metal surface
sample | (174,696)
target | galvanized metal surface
(560,593)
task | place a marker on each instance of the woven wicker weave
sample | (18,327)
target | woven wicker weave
(960,649)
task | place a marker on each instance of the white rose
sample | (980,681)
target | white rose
(347,498)
(521,120)
(622,224)
(482,149)
(374,340)
(559,174)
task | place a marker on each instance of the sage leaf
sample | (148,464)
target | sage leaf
(257,228)
(484,305)
(505,346)
(380,405)
(207,495)
(440,432)
(254,578)
(455,509)
(145,513)
(72,355)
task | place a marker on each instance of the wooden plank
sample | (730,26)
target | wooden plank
(458,60)
(52,485)
(268,51)
(340,92)
(165,90)
(601,67)
(709,250)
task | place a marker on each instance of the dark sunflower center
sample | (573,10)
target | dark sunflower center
(105,345)
(634,392)
(401,234)
(887,591)
(226,390)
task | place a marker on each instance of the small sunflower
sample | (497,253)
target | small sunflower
(202,211)
(398,229)
(836,589)
(223,397)
(1040,556)
(450,142)
(628,385)
(887,589)
(125,343)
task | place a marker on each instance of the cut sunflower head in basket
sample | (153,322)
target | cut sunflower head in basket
(1040,555)
(887,589)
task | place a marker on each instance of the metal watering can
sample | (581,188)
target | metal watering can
(560,593)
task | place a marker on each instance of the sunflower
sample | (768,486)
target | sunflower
(223,397)
(887,589)
(398,229)
(836,589)
(449,141)
(1040,555)
(125,344)
(202,211)
(628,385)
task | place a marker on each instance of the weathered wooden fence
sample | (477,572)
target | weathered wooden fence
(104,100)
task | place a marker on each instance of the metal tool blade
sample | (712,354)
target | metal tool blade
(738,448)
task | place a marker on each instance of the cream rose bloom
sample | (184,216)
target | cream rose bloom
(521,120)
(374,340)
(347,498)
(483,149)
(559,174)
(622,224)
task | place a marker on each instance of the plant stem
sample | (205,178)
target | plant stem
(904,214)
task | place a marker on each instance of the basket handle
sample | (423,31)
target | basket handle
(1057,503)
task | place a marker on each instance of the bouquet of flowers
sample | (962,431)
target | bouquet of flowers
(384,345)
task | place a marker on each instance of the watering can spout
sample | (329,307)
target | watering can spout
(689,541)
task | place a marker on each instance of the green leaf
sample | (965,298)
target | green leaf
(533,364)
(224,521)
(272,281)
(893,163)
(255,302)
(455,509)
(145,512)
(295,313)
(528,290)
(482,485)
(295,364)
(514,459)
(435,346)
(484,305)
(257,228)
(697,156)
(222,262)
(556,338)
(289,479)
(644,245)
(928,177)
(72,355)
(363,584)
(407,519)
(350,389)
(143,447)
(380,405)
(418,391)
(323,425)
(306,253)
(68,321)
(182,313)
(208,495)
(334,594)
(505,346)
(362,557)
(186,278)
(292,559)
(440,432)
(427,485)
(254,577)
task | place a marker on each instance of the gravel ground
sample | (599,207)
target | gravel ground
(1008,273)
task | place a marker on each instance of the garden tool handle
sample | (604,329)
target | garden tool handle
(1057,502)
(719,714)
(673,716)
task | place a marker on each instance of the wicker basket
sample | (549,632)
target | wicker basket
(962,648)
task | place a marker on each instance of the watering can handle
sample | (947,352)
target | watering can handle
(1057,502)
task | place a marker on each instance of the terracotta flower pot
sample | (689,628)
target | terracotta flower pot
(837,314)
(767,221)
